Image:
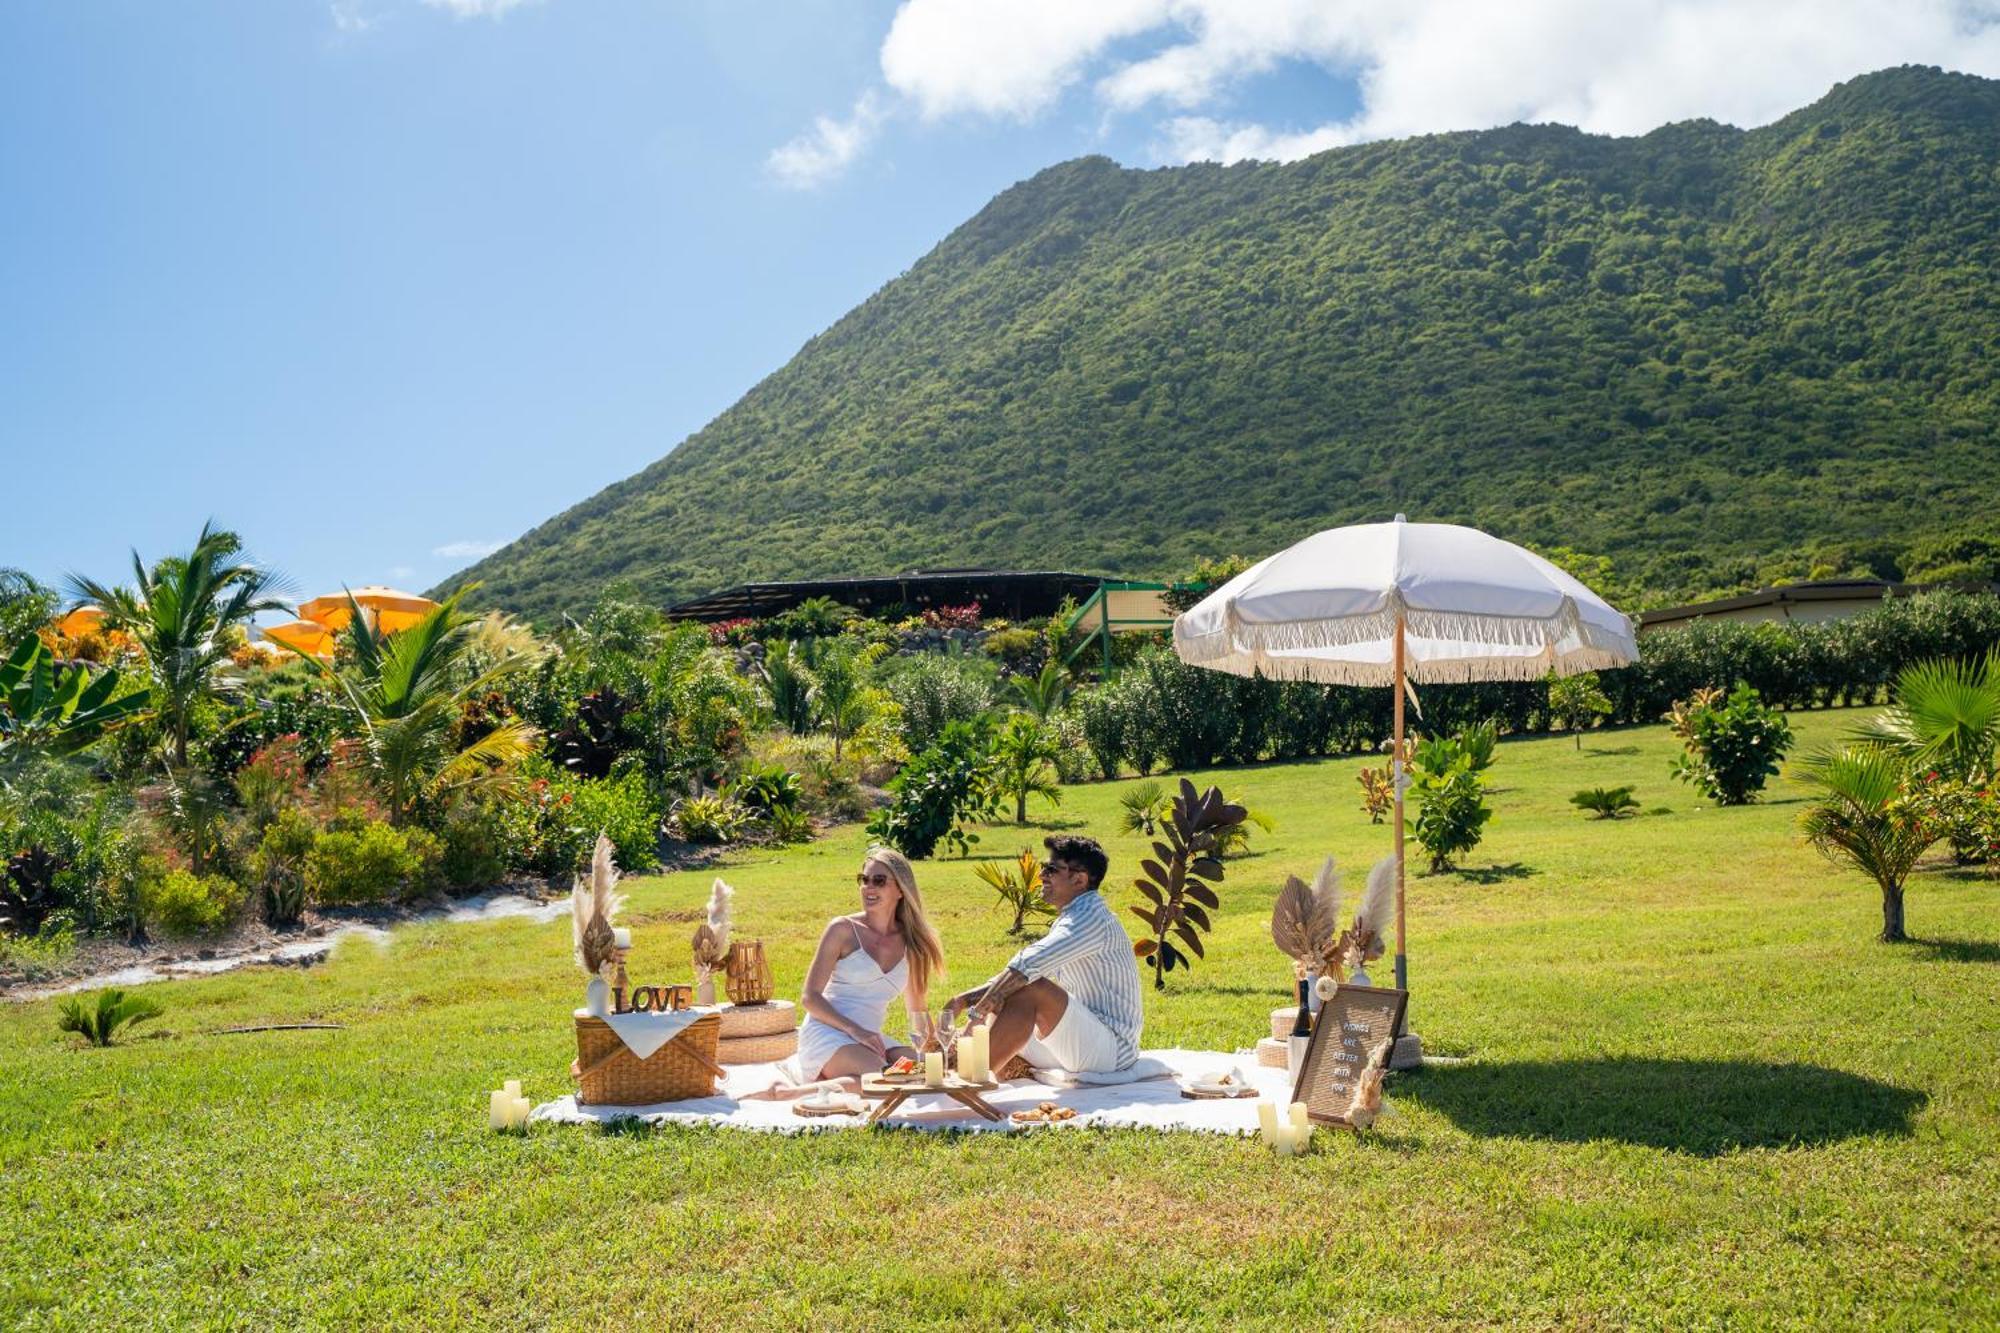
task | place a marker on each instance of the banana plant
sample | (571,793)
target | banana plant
(57,709)
(1178,880)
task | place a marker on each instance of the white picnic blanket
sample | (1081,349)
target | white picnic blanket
(1153,1103)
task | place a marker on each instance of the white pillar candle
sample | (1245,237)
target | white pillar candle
(522,1107)
(512,1087)
(1301,1123)
(621,937)
(934,1069)
(497,1109)
(1267,1122)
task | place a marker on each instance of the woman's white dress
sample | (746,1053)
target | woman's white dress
(861,991)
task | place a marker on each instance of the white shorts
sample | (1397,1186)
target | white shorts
(1079,1043)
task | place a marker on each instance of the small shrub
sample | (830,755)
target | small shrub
(1965,813)
(1024,764)
(940,791)
(623,810)
(1451,796)
(1378,793)
(1144,805)
(1605,802)
(1073,758)
(935,690)
(369,863)
(97,1019)
(791,825)
(179,902)
(28,891)
(710,819)
(952,617)
(1734,745)
(765,789)
(278,865)
(1019,884)
(475,850)
(1576,702)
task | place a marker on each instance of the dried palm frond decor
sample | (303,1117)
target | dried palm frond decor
(1177,885)
(1366,938)
(1305,922)
(711,941)
(593,904)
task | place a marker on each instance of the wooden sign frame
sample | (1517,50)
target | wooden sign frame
(1349,1025)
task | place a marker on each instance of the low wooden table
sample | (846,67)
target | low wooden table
(888,1094)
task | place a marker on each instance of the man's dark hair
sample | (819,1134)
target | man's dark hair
(1083,853)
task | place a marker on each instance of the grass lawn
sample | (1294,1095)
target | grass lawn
(1698,1095)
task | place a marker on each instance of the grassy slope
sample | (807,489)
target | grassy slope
(1700,1097)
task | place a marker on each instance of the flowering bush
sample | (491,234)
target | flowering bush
(952,617)
(1964,813)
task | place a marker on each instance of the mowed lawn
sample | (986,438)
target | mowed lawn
(1695,1093)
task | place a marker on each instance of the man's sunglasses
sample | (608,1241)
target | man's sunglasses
(1053,867)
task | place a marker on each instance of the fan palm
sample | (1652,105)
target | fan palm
(180,613)
(98,1022)
(1861,818)
(1945,714)
(1041,695)
(407,692)
(1024,757)
(1144,805)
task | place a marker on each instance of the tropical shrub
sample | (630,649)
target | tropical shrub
(1074,763)
(1576,702)
(28,892)
(710,818)
(1451,796)
(942,789)
(1041,695)
(476,851)
(935,690)
(597,735)
(952,617)
(1944,716)
(624,810)
(179,902)
(369,861)
(1863,815)
(98,1018)
(839,693)
(1144,805)
(791,824)
(1965,814)
(51,709)
(272,782)
(1734,745)
(1024,764)
(765,789)
(1179,885)
(278,865)
(1378,793)
(1019,885)
(1605,802)
(1102,715)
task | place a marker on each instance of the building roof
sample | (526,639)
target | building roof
(1016,594)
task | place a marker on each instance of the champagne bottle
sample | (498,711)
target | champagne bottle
(1295,1047)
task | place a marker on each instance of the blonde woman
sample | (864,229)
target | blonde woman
(865,960)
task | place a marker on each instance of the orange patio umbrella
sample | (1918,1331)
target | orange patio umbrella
(390,608)
(308,637)
(83,620)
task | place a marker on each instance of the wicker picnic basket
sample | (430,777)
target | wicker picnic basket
(758,1020)
(747,976)
(608,1074)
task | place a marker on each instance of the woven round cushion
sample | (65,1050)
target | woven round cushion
(1273,1052)
(758,1020)
(757,1050)
(1281,1021)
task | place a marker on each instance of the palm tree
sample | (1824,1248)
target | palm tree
(180,613)
(1043,695)
(1024,764)
(836,695)
(407,692)
(1862,818)
(1945,715)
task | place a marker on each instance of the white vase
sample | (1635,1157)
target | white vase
(597,998)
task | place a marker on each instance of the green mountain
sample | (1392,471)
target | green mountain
(1709,354)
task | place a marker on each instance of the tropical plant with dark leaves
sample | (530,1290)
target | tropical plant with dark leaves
(180,612)
(1605,802)
(28,892)
(1019,884)
(592,742)
(1178,880)
(98,1018)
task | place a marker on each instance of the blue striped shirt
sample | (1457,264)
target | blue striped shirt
(1089,955)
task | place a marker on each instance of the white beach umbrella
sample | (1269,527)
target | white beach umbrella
(1390,603)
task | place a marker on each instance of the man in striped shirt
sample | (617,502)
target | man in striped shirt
(1070,1000)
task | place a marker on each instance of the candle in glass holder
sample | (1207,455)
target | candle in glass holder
(934,1069)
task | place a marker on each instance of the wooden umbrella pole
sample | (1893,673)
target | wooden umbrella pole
(1399,776)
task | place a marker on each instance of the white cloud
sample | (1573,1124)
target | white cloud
(474,9)
(1003,59)
(826,150)
(348,16)
(466,550)
(1607,66)
(401,572)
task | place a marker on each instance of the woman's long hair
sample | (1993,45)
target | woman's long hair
(921,944)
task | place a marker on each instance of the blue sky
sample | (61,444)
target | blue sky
(383,283)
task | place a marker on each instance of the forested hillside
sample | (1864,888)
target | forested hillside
(1714,356)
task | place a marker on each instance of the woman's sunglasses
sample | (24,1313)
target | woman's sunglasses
(876,881)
